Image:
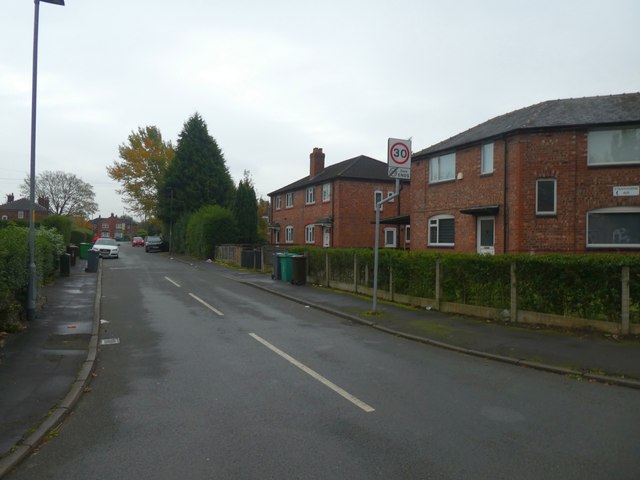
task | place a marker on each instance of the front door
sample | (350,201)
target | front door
(486,235)
(326,237)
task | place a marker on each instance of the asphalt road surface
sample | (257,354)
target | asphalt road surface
(201,377)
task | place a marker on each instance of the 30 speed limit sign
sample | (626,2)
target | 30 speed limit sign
(399,158)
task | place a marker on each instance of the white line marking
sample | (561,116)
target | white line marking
(169,280)
(317,376)
(213,309)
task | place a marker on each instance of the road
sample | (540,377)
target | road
(202,377)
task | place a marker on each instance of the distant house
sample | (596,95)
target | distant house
(559,176)
(19,209)
(113,227)
(335,206)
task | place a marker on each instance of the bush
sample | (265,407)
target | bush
(60,223)
(210,226)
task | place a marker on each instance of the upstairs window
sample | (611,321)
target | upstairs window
(377,198)
(278,202)
(289,200)
(614,147)
(442,168)
(486,162)
(311,196)
(546,196)
(442,231)
(326,192)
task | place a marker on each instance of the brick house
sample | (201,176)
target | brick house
(335,206)
(113,227)
(560,176)
(19,209)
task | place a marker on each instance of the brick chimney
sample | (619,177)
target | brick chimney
(10,198)
(317,162)
(43,202)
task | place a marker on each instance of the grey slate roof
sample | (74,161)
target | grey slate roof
(22,204)
(573,112)
(358,168)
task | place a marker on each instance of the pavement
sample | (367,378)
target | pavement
(45,369)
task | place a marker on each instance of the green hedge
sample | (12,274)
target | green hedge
(585,286)
(14,265)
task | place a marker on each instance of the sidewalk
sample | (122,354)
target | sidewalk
(44,369)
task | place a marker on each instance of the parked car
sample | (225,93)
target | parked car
(152,242)
(137,242)
(106,248)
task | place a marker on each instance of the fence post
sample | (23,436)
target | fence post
(514,294)
(355,273)
(438,283)
(326,268)
(626,301)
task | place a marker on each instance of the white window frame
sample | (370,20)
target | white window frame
(276,236)
(310,234)
(393,242)
(377,197)
(20,214)
(288,234)
(600,143)
(390,194)
(407,234)
(486,161)
(288,200)
(435,222)
(310,197)
(611,211)
(435,168)
(5,217)
(542,213)
(278,202)
(326,192)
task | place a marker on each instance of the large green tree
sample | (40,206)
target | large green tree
(144,159)
(67,193)
(197,176)
(246,211)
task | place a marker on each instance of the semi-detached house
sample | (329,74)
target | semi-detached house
(335,206)
(560,176)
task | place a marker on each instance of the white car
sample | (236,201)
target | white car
(106,248)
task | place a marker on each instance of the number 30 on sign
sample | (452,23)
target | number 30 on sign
(399,157)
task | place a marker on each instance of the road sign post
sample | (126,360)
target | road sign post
(399,162)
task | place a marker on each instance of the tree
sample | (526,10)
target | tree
(197,176)
(67,194)
(246,210)
(144,161)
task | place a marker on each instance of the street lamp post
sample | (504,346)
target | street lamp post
(32,289)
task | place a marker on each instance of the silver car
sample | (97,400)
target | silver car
(106,248)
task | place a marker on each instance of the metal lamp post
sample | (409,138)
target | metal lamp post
(33,281)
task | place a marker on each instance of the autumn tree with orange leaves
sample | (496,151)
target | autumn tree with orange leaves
(143,162)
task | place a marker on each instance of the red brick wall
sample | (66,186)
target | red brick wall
(531,156)
(352,207)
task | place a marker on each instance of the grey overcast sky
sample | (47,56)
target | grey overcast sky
(273,79)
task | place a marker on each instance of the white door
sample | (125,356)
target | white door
(486,235)
(326,237)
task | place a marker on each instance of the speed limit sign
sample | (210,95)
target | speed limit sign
(399,158)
